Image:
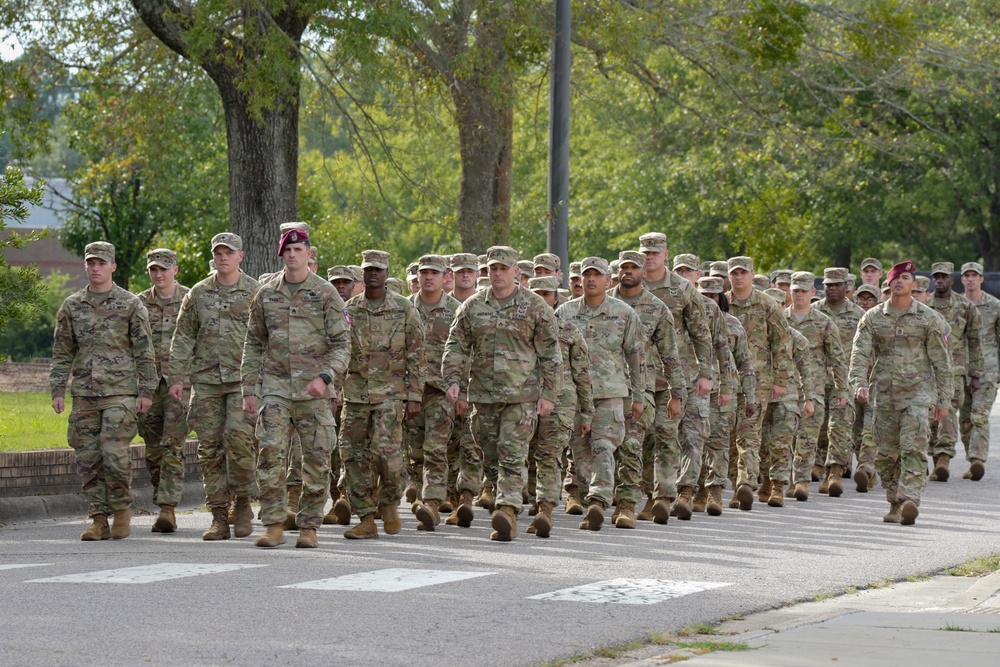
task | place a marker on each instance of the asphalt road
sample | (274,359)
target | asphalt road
(452,597)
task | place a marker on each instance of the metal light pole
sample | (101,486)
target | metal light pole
(558,202)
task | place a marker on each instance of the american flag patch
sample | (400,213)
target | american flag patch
(347,317)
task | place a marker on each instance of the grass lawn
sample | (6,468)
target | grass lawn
(28,422)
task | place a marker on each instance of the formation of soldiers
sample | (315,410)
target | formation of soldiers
(490,385)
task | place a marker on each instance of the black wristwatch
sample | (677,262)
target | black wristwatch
(325,378)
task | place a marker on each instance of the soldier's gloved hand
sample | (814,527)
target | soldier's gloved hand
(777,391)
(316,388)
(861,394)
(176,391)
(545,407)
(973,384)
(412,409)
(673,408)
(808,410)
(749,410)
(461,407)
(703,387)
(250,404)
(724,400)
(143,405)
(638,407)
(59,404)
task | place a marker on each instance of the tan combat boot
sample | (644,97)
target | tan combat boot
(744,496)
(777,497)
(486,499)
(243,526)
(122,526)
(685,503)
(504,522)
(595,516)
(862,481)
(342,511)
(817,473)
(462,515)
(542,525)
(429,515)
(626,514)
(647,510)
(573,504)
(825,486)
(941,472)
(412,493)
(366,530)
(390,519)
(835,481)
(98,530)
(764,490)
(714,505)
(976,470)
(307,539)
(219,530)
(166,522)
(908,513)
(273,536)
(449,503)
(801,491)
(893,516)
(700,499)
(661,510)
(292,508)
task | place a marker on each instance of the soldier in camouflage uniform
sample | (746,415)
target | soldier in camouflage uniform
(575,280)
(102,339)
(658,335)
(975,414)
(966,350)
(504,343)
(871,272)
(384,380)
(342,279)
(827,360)
(205,355)
(297,345)
(900,349)
(867,297)
(548,264)
(164,427)
(768,339)
(614,336)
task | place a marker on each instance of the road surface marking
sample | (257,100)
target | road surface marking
(144,574)
(629,591)
(388,581)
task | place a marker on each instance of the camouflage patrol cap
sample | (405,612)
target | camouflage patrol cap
(377,258)
(395,285)
(776,293)
(653,242)
(784,276)
(710,285)
(433,262)
(574,270)
(803,280)
(761,281)
(871,261)
(720,269)
(741,262)
(543,284)
(631,257)
(464,260)
(599,264)
(705,267)
(834,274)
(885,286)
(482,262)
(851,278)
(613,266)
(501,254)
(869,289)
(359,273)
(548,260)
(923,284)
(411,270)
(228,239)
(972,266)
(99,250)
(161,257)
(339,272)
(482,282)
(687,261)
(299,226)
(942,267)
(526,266)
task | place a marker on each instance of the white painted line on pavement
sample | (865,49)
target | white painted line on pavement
(629,591)
(144,574)
(388,581)
(15,566)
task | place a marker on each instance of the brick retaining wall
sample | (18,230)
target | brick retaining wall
(24,377)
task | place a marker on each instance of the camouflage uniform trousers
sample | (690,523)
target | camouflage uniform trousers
(661,451)
(777,435)
(100,431)
(628,479)
(834,445)
(902,437)
(371,443)
(470,456)
(695,428)
(164,428)
(944,434)
(573,476)
(426,438)
(747,438)
(313,421)
(806,442)
(864,442)
(715,462)
(975,420)
(545,453)
(502,431)
(226,442)
(594,454)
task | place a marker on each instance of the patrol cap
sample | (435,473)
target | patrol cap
(705,266)
(719,269)
(377,258)
(548,261)
(599,264)
(834,274)
(631,257)
(526,266)
(358,272)
(613,266)
(710,285)
(161,257)
(501,254)
(973,266)
(339,272)
(653,242)
(482,282)
(885,286)
(923,284)
(574,270)
(294,235)
(411,269)
(803,280)
(482,261)
(905,267)
(776,293)
(741,262)
(100,250)
(851,278)
(395,285)
(464,260)
(761,281)
(432,262)
(941,267)
(228,239)
(686,261)
(871,261)
(867,289)
(288,226)
(543,284)
(785,276)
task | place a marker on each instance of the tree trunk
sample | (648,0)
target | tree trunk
(843,257)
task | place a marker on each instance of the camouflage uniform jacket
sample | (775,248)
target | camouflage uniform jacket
(741,358)
(207,347)
(162,322)
(106,345)
(613,332)
(576,390)
(663,366)
(846,316)
(826,353)
(387,351)
(436,319)
(989,311)
(805,384)
(723,364)
(905,355)
(768,339)
(293,338)
(694,339)
(509,353)
(965,340)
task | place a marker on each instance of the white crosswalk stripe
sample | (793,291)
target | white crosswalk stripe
(388,581)
(629,591)
(144,574)
(17,566)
